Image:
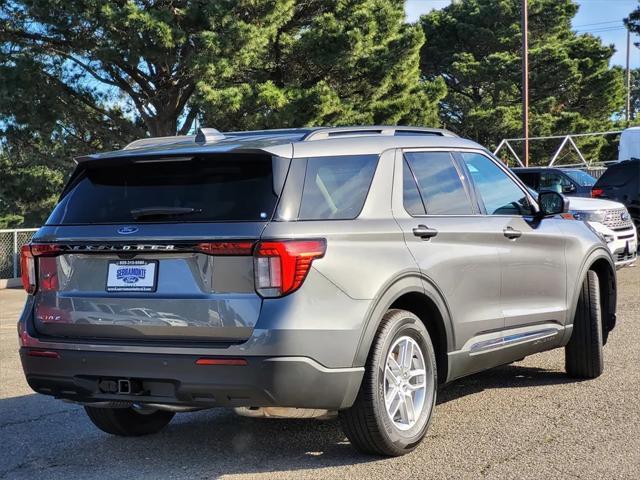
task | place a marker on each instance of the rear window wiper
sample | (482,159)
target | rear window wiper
(139,213)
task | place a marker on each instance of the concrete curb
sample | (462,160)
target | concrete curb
(10,283)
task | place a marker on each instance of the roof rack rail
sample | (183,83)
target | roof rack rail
(387,130)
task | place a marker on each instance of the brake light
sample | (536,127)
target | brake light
(47,267)
(596,192)
(225,248)
(27,269)
(43,354)
(234,362)
(282,266)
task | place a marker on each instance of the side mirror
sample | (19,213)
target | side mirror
(552,203)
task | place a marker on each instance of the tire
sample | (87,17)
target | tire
(367,424)
(583,354)
(127,422)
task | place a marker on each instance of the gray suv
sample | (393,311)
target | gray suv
(344,269)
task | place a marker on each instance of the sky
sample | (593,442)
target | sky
(600,17)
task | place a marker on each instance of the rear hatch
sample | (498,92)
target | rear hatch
(156,249)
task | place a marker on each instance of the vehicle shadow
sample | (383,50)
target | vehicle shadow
(506,376)
(42,435)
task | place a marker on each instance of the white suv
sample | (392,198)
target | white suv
(613,222)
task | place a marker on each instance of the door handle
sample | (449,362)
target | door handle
(512,233)
(424,232)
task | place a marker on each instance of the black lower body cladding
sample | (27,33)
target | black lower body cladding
(85,376)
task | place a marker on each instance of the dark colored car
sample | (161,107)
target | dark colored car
(569,182)
(621,182)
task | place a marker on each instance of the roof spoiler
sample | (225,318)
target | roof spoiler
(203,135)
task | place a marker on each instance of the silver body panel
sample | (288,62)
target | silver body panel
(500,299)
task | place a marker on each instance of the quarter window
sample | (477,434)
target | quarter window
(336,187)
(499,193)
(439,184)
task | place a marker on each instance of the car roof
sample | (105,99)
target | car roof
(298,142)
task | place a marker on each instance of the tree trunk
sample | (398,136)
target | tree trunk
(162,126)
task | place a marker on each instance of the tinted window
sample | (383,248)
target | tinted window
(499,193)
(439,182)
(581,178)
(529,178)
(199,190)
(411,196)
(336,187)
(620,174)
(553,181)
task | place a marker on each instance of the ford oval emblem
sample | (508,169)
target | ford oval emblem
(625,217)
(127,230)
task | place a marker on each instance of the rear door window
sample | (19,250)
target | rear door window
(439,183)
(581,178)
(335,188)
(235,188)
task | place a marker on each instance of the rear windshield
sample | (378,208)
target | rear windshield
(620,174)
(203,189)
(581,178)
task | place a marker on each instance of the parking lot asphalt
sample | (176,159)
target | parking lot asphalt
(524,420)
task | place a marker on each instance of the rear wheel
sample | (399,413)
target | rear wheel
(128,422)
(583,353)
(393,409)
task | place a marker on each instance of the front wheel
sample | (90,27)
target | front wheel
(583,353)
(128,422)
(392,411)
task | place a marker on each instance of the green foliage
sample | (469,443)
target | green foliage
(634,114)
(475,47)
(633,22)
(84,76)
(339,62)
(44,125)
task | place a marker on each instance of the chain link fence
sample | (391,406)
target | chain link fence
(10,243)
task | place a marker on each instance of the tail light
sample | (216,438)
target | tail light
(281,266)
(27,269)
(225,248)
(596,192)
(39,258)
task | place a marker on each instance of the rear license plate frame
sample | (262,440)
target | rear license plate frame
(117,281)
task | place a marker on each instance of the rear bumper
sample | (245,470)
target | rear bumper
(176,379)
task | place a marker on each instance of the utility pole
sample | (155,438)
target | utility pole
(628,110)
(525,80)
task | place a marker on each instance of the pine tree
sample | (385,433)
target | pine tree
(474,46)
(77,77)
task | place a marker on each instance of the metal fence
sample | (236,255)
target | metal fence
(567,143)
(10,243)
